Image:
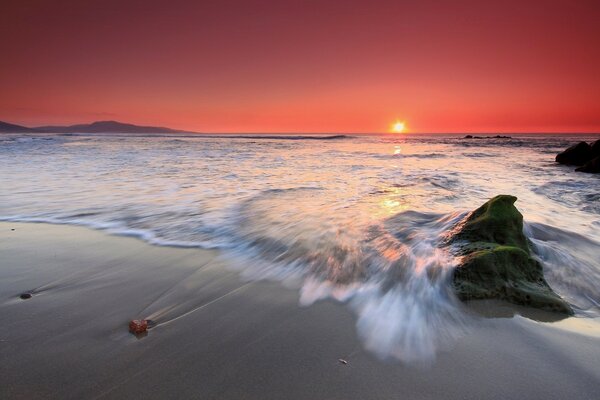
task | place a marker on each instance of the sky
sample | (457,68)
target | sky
(304,66)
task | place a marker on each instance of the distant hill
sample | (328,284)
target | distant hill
(106,127)
(95,127)
(5,127)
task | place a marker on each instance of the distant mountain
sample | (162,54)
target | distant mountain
(95,127)
(5,127)
(106,127)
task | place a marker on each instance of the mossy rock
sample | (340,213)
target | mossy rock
(506,273)
(497,222)
(496,261)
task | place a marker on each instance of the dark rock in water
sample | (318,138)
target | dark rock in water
(487,137)
(596,148)
(496,261)
(25,296)
(586,156)
(592,166)
(578,154)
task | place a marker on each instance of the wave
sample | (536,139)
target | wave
(394,273)
(480,155)
(117,229)
(423,155)
(581,192)
(570,265)
(280,137)
(203,136)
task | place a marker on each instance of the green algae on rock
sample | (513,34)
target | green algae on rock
(496,262)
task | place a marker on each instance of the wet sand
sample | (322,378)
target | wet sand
(219,337)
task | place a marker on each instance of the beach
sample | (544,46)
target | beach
(219,335)
(300,200)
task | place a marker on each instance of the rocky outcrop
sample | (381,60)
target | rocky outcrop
(584,155)
(487,137)
(496,261)
(578,154)
(592,166)
(596,148)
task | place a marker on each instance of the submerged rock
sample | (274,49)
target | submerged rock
(496,261)
(592,166)
(578,154)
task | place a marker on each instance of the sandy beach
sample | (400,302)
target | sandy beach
(309,200)
(218,336)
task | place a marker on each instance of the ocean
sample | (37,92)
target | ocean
(349,218)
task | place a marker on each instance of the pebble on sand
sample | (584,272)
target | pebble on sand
(138,326)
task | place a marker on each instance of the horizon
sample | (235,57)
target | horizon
(306,67)
(388,133)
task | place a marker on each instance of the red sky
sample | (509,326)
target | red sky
(304,66)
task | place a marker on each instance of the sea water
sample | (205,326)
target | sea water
(356,219)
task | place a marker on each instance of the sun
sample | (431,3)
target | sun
(398,127)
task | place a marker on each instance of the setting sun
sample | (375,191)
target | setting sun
(398,127)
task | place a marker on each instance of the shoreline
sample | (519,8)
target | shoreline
(218,336)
